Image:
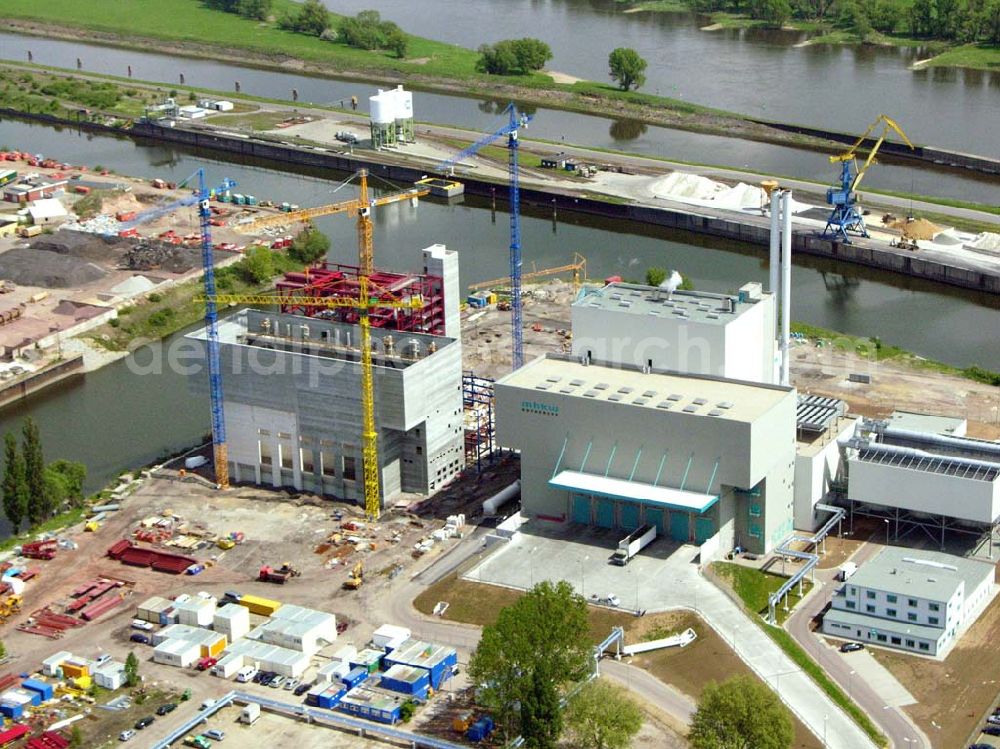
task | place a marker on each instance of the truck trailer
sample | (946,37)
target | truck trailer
(632,544)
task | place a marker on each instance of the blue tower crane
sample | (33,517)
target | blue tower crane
(515,121)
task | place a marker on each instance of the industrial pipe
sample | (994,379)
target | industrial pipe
(491,505)
(786,282)
(775,258)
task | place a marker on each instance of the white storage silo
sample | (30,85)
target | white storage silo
(404,114)
(382,113)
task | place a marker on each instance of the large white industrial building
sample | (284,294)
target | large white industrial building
(726,335)
(909,599)
(703,458)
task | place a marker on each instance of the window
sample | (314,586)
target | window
(911,617)
(854,591)
(851,605)
(349,470)
(264,432)
(925,646)
(871,594)
(890,612)
(880,638)
(286,456)
(306,460)
(910,643)
(264,448)
(933,620)
(284,436)
(870,608)
(327,462)
(420,450)
(912,602)
(890,598)
(935,607)
(896,640)
(755,509)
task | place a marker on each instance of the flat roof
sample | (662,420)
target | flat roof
(640,299)
(695,395)
(964,469)
(921,574)
(420,653)
(409,674)
(676,499)
(376,699)
(917,422)
(815,413)
(867,621)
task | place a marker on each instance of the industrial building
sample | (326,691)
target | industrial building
(703,458)
(821,424)
(391,117)
(697,332)
(913,600)
(293,404)
(297,628)
(922,479)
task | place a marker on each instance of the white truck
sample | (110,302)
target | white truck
(250,713)
(632,544)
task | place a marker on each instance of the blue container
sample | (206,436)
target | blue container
(331,698)
(480,730)
(10,710)
(475,301)
(35,697)
(414,686)
(44,689)
(355,677)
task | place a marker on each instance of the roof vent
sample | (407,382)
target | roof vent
(715,412)
(664,405)
(553,379)
(690,409)
(614,397)
(566,390)
(725,404)
(639,402)
(576,383)
(674,397)
(543,386)
(591,394)
(649,394)
(700,401)
(625,390)
(601,386)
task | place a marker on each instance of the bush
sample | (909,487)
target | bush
(154,298)
(512,56)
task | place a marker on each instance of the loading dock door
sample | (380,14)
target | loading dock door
(581,509)
(655,517)
(704,529)
(629,515)
(605,513)
(679,526)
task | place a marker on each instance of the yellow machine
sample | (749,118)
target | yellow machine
(357,577)
(225,543)
(578,267)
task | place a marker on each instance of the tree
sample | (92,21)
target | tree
(73,474)
(258,265)
(513,56)
(774,13)
(15,485)
(396,42)
(131,670)
(541,714)
(627,68)
(603,716)
(655,276)
(312,18)
(256,9)
(544,632)
(740,713)
(532,54)
(34,466)
(310,245)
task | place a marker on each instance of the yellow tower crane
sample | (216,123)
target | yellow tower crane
(578,268)
(364,303)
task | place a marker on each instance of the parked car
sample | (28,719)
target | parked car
(215,734)
(143,625)
(165,709)
(851,647)
(980,746)
(991,730)
(291,684)
(144,722)
(139,637)
(994,719)
(302,688)
(276,682)
(126,735)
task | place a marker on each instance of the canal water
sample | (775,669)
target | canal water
(113,418)
(482,115)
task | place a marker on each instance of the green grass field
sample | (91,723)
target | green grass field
(754,586)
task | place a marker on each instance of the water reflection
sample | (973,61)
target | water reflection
(622,130)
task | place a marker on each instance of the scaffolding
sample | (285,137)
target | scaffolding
(340,280)
(900,523)
(479,420)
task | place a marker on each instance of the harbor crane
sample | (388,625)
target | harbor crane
(578,267)
(846,216)
(516,120)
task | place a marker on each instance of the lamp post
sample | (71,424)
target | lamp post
(825,716)
(583,580)
(886,521)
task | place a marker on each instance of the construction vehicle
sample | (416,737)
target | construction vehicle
(40,549)
(9,606)
(578,268)
(269,574)
(515,122)
(357,577)
(846,217)
(225,543)
(363,304)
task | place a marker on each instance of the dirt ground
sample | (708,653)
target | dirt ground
(951,694)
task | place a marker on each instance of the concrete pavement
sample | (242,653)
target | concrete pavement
(894,723)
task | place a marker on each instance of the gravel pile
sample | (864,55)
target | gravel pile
(27,266)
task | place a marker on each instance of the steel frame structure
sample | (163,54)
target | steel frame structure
(477,397)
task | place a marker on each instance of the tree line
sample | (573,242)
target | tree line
(950,20)
(33,491)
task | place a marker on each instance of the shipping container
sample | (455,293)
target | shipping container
(407,680)
(11,710)
(43,688)
(355,677)
(12,734)
(260,606)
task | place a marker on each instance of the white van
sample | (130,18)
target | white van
(246,673)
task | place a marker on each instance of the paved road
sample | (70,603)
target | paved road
(895,724)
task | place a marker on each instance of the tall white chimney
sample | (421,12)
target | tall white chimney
(775,243)
(786,282)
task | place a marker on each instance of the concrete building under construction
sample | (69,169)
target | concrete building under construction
(292,385)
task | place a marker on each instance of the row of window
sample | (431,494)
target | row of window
(911,616)
(912,602)
(893,640)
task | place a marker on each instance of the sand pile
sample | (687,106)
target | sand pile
(986,241)
(683,185)
(919,228)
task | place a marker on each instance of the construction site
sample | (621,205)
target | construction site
(377,433)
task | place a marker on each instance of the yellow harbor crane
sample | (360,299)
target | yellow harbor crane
(363,303)
(578,268)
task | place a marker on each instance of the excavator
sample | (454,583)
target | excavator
(846,215)
(357,577)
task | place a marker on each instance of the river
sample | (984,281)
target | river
(113,419)
(481,115)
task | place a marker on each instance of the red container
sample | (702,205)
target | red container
(94,610)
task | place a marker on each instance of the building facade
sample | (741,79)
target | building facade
(700,457)
(912,600)
(292,399)
(725,335)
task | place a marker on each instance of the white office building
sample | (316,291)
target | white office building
(910,599)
